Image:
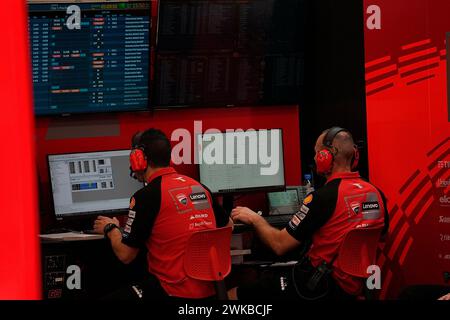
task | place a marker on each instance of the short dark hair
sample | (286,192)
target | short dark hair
(156,146)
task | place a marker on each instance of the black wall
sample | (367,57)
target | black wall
(334,87)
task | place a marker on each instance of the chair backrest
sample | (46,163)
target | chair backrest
(208,255)
(358,251)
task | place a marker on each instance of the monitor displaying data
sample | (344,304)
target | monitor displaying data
(284,202)
(91,183)
(229,52)
(90,55)
(241,160)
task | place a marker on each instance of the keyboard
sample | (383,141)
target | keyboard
(57,230)
(66,230)
(90,231)
(279,220)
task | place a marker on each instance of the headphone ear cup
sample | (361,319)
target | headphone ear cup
(355,160)
(138,161)
(324,161)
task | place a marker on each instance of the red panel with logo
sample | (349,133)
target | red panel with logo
(409,135)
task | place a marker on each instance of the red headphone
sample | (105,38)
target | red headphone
(138,160)
(325,157)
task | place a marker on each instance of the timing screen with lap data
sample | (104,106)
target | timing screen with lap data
(90,183)
(239,161)
(90,55)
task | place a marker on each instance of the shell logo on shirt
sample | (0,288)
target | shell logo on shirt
(308,199)
(132,203)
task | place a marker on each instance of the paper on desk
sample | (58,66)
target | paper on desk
(67,236)
(236,252)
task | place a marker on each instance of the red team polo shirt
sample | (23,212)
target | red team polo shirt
(162,216)
(344,203)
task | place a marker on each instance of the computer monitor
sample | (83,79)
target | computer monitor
(239,161)
(90,55)
(284,202)
(230,52)
(91,183)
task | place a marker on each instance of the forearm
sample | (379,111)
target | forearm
(121,250)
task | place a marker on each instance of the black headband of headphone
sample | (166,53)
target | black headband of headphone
(136,141)
(331,134)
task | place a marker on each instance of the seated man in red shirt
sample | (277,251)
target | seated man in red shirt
(326,215)
(161,217)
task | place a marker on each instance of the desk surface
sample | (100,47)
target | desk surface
(79,236)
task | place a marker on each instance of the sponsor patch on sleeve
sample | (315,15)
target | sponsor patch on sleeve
(132,214)
(308,199)
(130,221)
(301,216)
(304,209)
(127,229)
(295,221)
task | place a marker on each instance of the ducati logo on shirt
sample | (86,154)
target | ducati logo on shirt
(182,198)
(355,207)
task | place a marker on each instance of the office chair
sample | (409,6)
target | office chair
(208,257)
(358,251)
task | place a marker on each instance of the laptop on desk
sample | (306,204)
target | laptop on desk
(282,205)
(284,202)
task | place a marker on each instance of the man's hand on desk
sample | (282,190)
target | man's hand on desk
(101,222)
(445,298)
(244,215)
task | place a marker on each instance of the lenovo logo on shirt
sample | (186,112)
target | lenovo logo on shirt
(198,196)
(370,206)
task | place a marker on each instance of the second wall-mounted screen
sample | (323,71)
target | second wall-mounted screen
(229,52)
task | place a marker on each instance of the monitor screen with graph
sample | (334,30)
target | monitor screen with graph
(91,183)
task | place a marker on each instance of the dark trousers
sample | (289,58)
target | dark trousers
(290,283)
(149,288)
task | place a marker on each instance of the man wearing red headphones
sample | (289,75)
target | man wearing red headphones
(162,216)
(326,215)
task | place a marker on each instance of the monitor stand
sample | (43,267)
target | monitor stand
(227,203)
